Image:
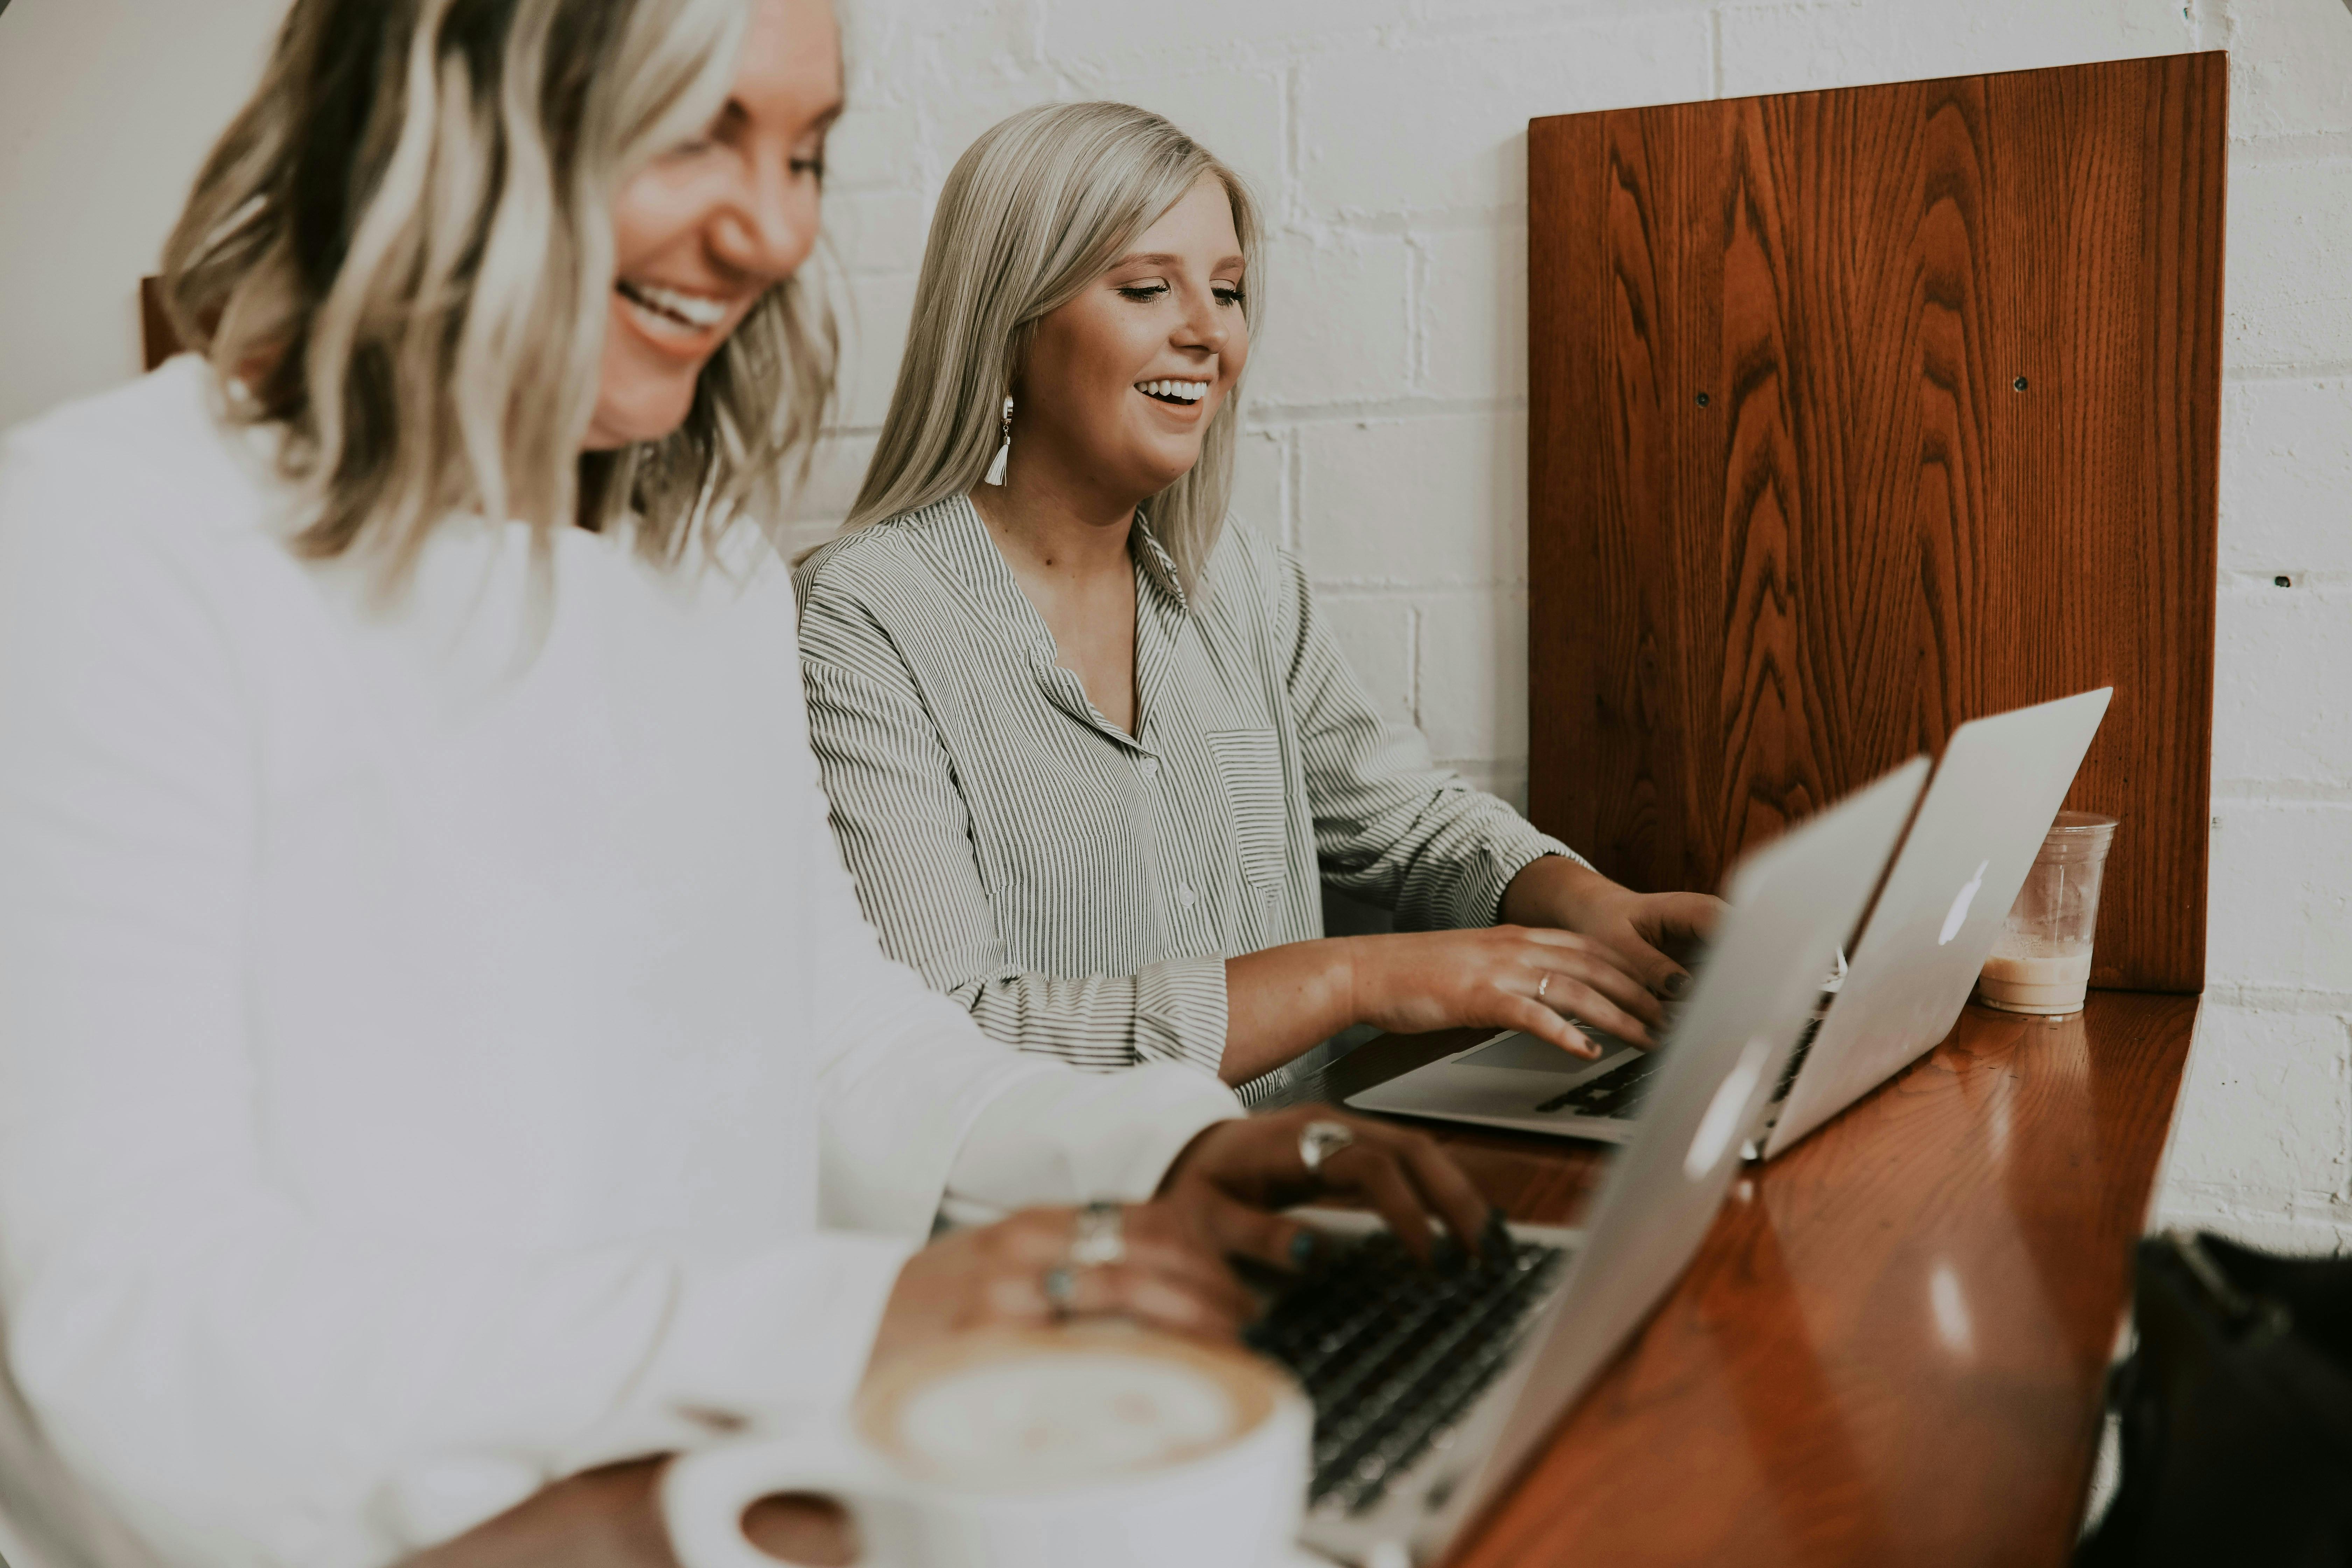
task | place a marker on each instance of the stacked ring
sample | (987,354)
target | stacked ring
(1099,1236)
(1318,1140)
(1061,1291)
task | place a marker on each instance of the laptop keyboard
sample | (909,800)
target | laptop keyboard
(1394,1354)
(1612,1093)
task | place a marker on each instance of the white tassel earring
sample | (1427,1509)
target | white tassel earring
(995,474)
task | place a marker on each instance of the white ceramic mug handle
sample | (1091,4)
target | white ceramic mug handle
(704,1494)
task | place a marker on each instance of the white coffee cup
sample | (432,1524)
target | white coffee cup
(1090,1447)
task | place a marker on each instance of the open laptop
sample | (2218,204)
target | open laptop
(2000,782)
(1433,1389)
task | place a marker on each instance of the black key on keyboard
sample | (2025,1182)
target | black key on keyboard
(1615,1093)
(1392,1354)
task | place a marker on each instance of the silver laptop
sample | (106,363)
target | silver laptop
(1999,787)
(1432,1390)
(2000,782)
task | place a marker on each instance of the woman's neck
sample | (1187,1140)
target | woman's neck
(1056,530)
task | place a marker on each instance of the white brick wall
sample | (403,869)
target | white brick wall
(1386,438)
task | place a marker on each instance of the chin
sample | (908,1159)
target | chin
(639,415)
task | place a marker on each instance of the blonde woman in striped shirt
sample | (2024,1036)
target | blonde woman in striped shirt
(1088,742)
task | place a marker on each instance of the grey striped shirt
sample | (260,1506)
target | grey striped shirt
(1080,888)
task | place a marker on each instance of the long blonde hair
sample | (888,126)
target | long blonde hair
(402,248)
(1032,213)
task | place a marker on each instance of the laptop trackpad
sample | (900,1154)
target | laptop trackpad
(1527,1053)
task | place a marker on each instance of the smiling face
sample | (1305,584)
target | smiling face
(1120,385)
(704,230)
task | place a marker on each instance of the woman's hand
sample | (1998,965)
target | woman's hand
(1171,1277)
(1230,1179)
(1508,976)
(1651,936)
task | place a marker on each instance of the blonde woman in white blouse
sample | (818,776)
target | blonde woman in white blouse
(1090,743)
(438,1049)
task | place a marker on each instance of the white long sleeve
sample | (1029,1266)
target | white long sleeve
(438,1049)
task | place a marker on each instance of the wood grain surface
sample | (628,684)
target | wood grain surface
(1891,1346)
(1854,414)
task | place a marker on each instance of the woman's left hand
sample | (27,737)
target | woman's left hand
(1653,933)
(1233,1177)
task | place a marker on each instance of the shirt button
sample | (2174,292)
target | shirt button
(1186,896)
(1151,766)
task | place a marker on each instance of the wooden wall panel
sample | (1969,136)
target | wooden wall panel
(1856,415)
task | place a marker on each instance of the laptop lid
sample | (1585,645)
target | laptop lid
(1999,785)
(1790,904)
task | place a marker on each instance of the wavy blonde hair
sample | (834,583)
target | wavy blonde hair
(1034,211)
(400,248)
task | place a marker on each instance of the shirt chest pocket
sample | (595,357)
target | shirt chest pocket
(1249,767)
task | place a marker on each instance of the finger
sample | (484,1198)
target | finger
(1242,1231)
(1373,1172)
(1578,1000)
(1178,1247)
(1605,972)
(1446,1187)
(1132,1290)
(1531,1017)
(1628,978)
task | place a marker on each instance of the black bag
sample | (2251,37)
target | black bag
(2235,1410)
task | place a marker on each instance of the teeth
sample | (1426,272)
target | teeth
(692,309)
(1184,391)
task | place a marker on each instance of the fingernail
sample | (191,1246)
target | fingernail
(1302,1250)
(1675,985)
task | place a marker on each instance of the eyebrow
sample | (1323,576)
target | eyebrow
(1168,259)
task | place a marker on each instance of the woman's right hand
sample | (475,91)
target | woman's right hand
(1510,977)
(994,1276)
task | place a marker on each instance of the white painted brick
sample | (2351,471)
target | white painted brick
(1426,501)
(2290,66)
(878,231)
(1335,323)
(1261,475)
(1402,124)
(967,101)
(1790,47)
(1474,317)
(1473,675)
(1376,635)
(2298,1227)
(1237,115)
(2282,683)
(2286,476)
(835,471)
(2281,910)
(874,311)
(1104,27)
(2265,1106)
(873,148)
(2289,286)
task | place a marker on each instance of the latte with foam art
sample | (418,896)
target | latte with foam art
(1043,1410)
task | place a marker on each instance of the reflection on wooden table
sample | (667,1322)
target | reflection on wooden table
(1889,1350)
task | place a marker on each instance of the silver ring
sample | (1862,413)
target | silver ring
(1318,1140)
(1543,985)
(1061,1286)
(1099,1236)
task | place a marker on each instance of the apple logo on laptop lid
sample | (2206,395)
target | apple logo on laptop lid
(1721,1123)
(1958,916)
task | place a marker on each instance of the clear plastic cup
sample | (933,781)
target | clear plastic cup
(2040,963)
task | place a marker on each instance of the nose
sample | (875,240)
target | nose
(1201,327)
(768,225)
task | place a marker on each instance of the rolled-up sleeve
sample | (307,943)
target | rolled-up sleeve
(1392,828)
(906,831)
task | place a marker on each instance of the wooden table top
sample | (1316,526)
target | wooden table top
(1891,1346)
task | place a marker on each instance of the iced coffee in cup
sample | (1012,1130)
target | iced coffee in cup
(2041,961)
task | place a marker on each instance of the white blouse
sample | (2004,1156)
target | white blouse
(439,1047)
